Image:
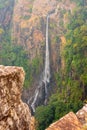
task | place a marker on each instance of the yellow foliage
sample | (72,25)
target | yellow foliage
(63,39)
(84,127)
(30,22)
(65,15)
(33,19)
(85,101)
(1,31)
(75,45)
(24,24)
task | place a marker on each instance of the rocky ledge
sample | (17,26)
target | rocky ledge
(68,122)
(14,114)
(72,121)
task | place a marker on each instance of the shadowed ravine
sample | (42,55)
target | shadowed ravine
(41,92)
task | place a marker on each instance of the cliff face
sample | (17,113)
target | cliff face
(29,28)
(14,114)
(29,25)
(6,12)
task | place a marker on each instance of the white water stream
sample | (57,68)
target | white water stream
(46,76)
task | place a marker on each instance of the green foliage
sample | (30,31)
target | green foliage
(16,55)
(30,10)
(26,17)
(72,80)
(4,3)
(75,50)
(79,2)
(44,115)
(59,0)
(52,25)
(58,79)
(13,55)
(36,62)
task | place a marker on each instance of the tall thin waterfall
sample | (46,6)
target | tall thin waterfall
(47,61)
(46,77)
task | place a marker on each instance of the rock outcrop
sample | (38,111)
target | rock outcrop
(82,116)
(72,121)
(14,114)
(68,122)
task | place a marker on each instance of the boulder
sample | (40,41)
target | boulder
(68,122)
(14,114)
(82,116)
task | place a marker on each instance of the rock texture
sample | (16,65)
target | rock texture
(82,116)
(27,28)
(68,122)
(72,121)
(14,114)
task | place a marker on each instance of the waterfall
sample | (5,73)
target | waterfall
(46,77)
(47,62)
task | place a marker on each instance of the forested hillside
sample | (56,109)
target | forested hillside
(72,79)
(14,54)
(22,43)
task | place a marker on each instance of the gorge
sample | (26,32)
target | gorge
(52,49)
